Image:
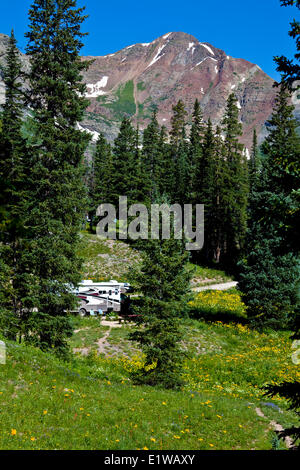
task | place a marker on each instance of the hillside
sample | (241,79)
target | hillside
(90,403)
(112,259)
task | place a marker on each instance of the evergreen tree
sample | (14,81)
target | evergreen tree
(12,143)
(152,157)
(270,272)
(165,166)
(102,176)
(164,283)
(290,69)
(291,390)
(282,173)
(205,189)
(13,155)
(196,140)
(57,191)
(236,182)
(178,123)
(179,161)
(126,172)
(182,193)
(253,163)
(143,182)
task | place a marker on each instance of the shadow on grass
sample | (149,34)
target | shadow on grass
(224,316)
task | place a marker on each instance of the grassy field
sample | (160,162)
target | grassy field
(90,402)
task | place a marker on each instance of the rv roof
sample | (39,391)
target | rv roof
(90,282)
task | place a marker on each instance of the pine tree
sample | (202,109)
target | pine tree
(126,172)
(12,143)
(13,154)
(236,182)
(143,181)
(178,123)
(182,193)
(282,174)
(290,69)
(291,390)
(196,140)
(102,176)
(57,191)
(270,270)
(164,283)
(179,156)
(205,192)
(152,160)
(253,163)
(165,167)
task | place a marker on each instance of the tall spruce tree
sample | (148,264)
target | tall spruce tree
(152,157)
(270,272)
(289,68)
(178,160)
(12,143)
(57,191)
(205,187)
(195,147)
(126,180)
(253,162)
(281,171)
(102,176)
(13,184)
(291,390)
(164,282)
(237,184)
(164,167)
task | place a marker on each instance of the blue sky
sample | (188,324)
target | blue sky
(254,30)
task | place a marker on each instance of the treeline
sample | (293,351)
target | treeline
(251,204)
(208,166)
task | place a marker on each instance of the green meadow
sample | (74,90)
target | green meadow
(90,402)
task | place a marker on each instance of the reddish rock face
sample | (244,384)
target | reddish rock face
(142,77)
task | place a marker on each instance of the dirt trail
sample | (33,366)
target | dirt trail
(102,342)
(277,427)
(222,286)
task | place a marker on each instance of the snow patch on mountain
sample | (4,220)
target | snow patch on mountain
(94,134)
(191,46)
(157,56)
(94,90)
(207,47)
(199,63)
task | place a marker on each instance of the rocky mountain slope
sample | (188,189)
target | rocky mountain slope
(140,78)
(175,66)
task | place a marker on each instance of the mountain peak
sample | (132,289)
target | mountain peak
(142,77)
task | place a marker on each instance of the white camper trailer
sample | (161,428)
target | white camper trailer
(110,293)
